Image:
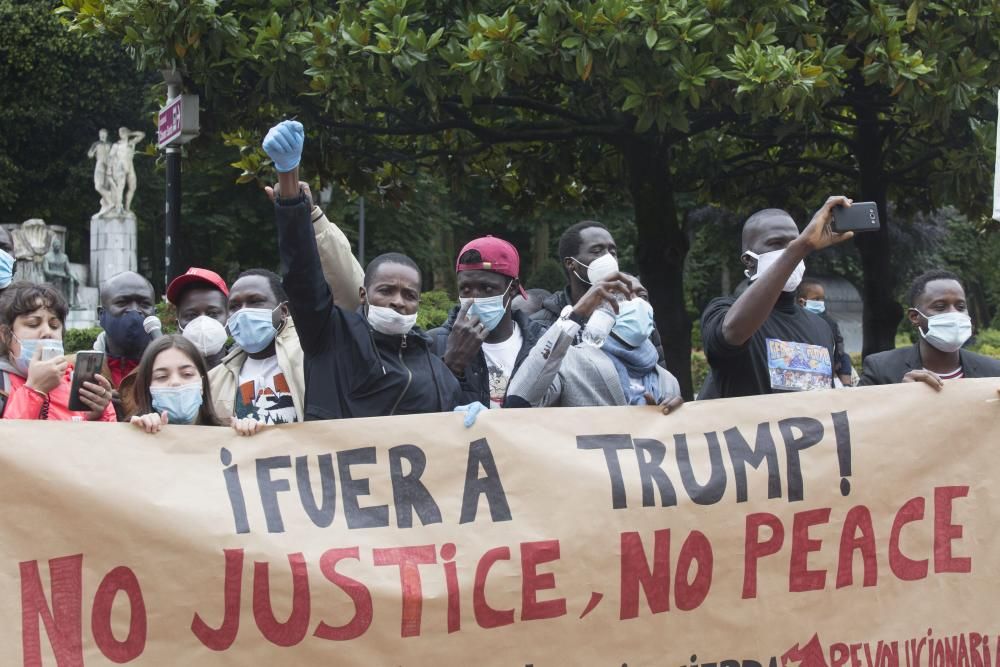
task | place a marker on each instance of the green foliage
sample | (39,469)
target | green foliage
(75,340)
(548,276)
(699,369)
(988,343)
(434,307)
(675,104)
(168,316)
(56,90)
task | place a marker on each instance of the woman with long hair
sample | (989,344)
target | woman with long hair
(172,387)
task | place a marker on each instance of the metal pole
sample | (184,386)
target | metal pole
(172,210)
(361,231)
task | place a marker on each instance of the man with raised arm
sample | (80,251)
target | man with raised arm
(763,341)
(366,363)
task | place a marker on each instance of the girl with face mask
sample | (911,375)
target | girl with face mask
(172,387)
(35,375)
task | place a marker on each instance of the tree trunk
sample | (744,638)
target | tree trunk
(661,250)
(539,246)
(444,266)
(882,313)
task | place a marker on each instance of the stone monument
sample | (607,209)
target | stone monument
(55,267)
(39,249)
(113,227)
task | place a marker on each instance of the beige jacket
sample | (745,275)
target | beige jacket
(225,378)
(340,268)
(343,275)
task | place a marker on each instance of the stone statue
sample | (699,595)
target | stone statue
(55,267)
(100,151)
(122,170)
(31,243)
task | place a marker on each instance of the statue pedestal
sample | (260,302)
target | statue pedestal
(112,245)
(84,314)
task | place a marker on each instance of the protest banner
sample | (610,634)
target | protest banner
(851,527)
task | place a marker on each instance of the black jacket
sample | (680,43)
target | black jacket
(890,367)
(475,380)
(553,306)
(350,369)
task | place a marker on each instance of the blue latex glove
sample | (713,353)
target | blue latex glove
(283,144)
(471,411)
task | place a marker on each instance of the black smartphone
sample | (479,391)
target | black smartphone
(859,217)
(88,365)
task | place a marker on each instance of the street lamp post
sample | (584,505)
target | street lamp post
(178,124)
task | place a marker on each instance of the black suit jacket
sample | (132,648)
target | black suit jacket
(890,367)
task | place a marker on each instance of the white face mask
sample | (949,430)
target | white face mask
(207,334)
(601,268)
(388,321)
(947,332)
(766,260)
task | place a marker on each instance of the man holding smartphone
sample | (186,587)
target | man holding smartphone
(762,341)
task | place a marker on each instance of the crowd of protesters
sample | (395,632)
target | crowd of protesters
(330,340)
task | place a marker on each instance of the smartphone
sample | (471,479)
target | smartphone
(88,365)
(49,351)
(860,217)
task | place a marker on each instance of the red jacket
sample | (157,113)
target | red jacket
(26,403)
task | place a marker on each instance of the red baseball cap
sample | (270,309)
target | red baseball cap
(497,255)
(194,276)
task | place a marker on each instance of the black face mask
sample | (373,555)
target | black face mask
(126,332)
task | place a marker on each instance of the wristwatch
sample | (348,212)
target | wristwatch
(570,321)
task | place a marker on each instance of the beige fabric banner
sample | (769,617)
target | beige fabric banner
(853,527)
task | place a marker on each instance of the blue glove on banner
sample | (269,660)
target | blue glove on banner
(471,411)
(283,144)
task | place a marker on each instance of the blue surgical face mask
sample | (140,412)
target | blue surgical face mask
(634,323)
(6,269)
(253,328)
(30,346)
(180,403)
(817,307)
(489,309)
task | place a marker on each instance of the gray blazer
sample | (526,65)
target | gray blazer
(558,373)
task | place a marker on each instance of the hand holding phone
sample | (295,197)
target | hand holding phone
(859,217)
(88,365)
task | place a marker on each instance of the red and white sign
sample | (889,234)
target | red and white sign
(178,122)
(170,125)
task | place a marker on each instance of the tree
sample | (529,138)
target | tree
(56,90)
(913,123)
(541,93)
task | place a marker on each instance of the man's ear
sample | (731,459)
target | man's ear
(915,317)
(363,296)
(802,301)
(749,262)
(515,290)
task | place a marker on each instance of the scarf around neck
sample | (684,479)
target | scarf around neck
(638,362)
